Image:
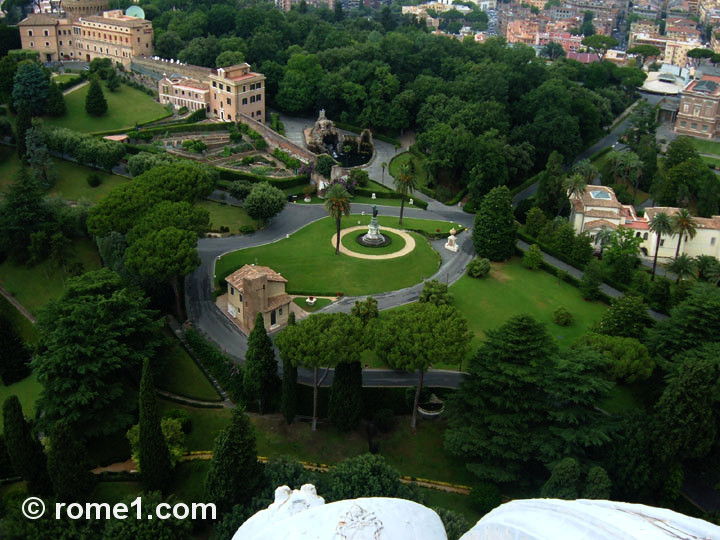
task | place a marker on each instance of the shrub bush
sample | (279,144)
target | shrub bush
(532,258)
(182,110)
(485,497)
(240,189)
(93,180)
(181,416)
(562,317)
(479,268)
(227,373)
(289,161)
(384,420)
(247,229)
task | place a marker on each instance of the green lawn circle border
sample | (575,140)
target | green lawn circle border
(349,242)
(387,240)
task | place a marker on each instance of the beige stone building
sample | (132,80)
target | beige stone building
(226,93)
(698,111)
(257,289)
(598,208)
(112,35)
(184,92)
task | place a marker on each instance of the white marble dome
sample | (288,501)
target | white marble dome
(302,514)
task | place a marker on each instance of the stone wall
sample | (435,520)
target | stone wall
(275,140)
(157,69)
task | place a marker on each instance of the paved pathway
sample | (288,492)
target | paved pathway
(76,87)
(10,298)
(407,248)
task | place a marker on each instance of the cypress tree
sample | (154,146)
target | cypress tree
(25,451)
(494,231)
(68,466)
(260,370)
(235,473)
(288,404)
(154,457)
(95,103)
(563,482)
(56,101)
(22,124)
(345,405)
(14,356)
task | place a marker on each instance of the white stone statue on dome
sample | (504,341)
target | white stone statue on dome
(302,514)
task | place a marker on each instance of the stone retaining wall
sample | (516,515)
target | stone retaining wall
(275,140)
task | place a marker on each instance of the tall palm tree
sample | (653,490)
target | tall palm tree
(660,225)
(337,203)
(631,167)
(683,224)
(587,170)
(603,238)
(683,267)
(405,183)
(575,185)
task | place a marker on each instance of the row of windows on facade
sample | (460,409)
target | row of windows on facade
(697,110)
(253,86)
(112,37)
(693,125)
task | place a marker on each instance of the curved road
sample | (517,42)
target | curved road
(209,320)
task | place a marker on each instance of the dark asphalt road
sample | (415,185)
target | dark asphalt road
(211,322)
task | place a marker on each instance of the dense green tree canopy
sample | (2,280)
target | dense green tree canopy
(95,338)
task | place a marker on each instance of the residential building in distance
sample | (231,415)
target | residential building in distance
(111,35)
(674,50)
(698,111)
(598,208)
(257,289)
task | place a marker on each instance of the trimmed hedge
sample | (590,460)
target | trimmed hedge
(600,153)
(64,85)
(136,149)
(526,184)
(190,128)
(365,192)
(227,176)
(457,198)
(544,247)
(217,364)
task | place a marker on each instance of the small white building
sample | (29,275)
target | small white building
(598,208)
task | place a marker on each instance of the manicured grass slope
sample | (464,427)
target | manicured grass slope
(126,106)
(181,375)
(35,286)
(224,215)
(407,157)
(71,183)
(512,289)
(308,261)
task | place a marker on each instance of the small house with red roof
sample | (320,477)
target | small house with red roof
(257,289)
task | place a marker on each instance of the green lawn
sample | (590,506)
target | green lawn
(224,215)
(711,161)
(63,77)
(35,286)
(27,392)
(28,331)
(126,107)
(511,289)
(406,157)
(71,183)
(307,259)
(350,242)
(706,147)
(181,375)
(319,303)
(206,424)
(622,398)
